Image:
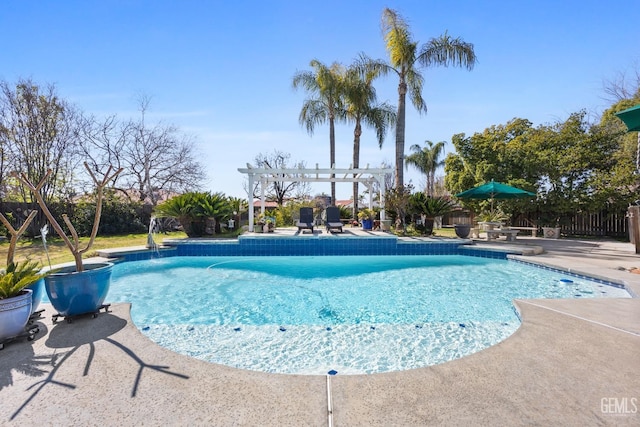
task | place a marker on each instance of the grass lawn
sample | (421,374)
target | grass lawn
(58,252)
(445,232)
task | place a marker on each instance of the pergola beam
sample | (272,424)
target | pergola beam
(366,176)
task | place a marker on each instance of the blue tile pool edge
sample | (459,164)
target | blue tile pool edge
(309,247)
(576,274)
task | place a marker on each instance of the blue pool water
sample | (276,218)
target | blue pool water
(355,314)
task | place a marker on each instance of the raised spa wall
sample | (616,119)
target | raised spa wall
(301,246)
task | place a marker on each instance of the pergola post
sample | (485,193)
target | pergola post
(263,184)
(251,183)
(383,213)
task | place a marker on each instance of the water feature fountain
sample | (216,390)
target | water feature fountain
(153,223)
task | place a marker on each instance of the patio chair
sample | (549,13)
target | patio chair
(332,221)
(306,219)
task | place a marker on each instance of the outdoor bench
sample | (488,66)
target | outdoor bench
(534,230)
(510,234)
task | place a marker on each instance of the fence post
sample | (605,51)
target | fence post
(633,213)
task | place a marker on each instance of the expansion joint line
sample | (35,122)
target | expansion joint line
(582,318)
(329,403)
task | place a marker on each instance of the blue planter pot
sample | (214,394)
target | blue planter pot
(72,293)
(37,290)
(14,314)
(367,224)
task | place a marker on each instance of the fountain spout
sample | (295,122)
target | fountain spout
(151,244)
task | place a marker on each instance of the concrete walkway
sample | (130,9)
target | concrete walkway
(572,362)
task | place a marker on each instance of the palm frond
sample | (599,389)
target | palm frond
(445,51)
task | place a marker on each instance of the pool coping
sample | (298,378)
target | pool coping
(571,362)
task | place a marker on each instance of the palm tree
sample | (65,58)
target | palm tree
(324,105)
(361,107)
(427,160)
(405,58)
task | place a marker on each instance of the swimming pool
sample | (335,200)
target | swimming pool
(348,314)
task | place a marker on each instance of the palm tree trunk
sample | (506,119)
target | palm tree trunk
(356,163)
(402,93)
(332,155)
(431,183)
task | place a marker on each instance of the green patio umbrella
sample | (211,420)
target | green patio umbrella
(631,118)
(494,190)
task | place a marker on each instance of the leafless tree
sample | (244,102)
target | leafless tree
(623,86)
(279,191)
(157,158)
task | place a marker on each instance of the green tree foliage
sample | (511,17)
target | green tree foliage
(287,214)
(324,105)
(362,108)
(398,202)
(118,217)
(572,165)
(405,60)
(427,160)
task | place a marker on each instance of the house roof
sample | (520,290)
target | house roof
(267,204)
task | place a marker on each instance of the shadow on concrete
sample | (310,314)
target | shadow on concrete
(70,337)
(19,356)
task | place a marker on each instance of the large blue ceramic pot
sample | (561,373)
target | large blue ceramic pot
(37,290)
(73,293)
(14,314)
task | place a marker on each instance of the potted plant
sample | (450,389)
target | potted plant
(37,287)
(259,226)
(367,216)
(496,216)
(398,203)
(16,298)
(79,288)
(269,225)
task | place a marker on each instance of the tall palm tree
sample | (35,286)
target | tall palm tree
(405,58)
(427,160)
(323,85)
(361,107)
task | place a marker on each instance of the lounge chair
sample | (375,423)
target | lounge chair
(306,219)
(332,221)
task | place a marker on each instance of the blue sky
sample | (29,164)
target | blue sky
(222,70)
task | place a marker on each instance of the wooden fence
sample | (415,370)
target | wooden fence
(601,224)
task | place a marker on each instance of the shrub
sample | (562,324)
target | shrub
(194,208)
(118,217)
(431,207)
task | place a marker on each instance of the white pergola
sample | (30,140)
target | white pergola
(365,176)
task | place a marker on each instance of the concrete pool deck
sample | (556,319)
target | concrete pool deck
(572,362)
